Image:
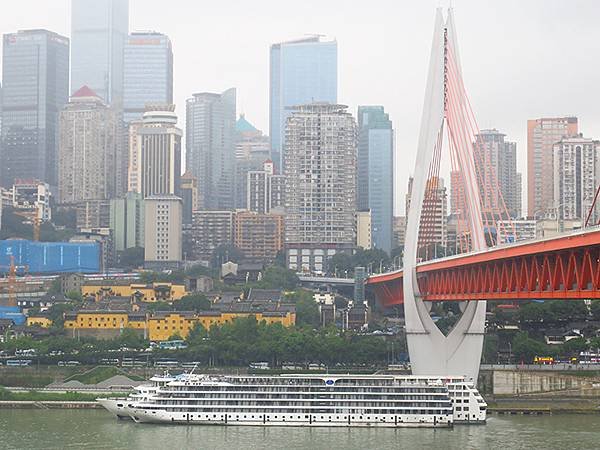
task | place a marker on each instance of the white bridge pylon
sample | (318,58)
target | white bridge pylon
(431,352)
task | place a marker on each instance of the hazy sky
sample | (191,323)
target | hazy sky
(521,58)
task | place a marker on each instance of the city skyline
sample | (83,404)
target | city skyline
(503,99)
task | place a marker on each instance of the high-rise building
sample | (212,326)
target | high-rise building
(249,141)
(92,214)
(498,159)
(210,146)
(434,218)
(364,238)
(189,196)
(99,30)
(258,236)
(252,149)
(210,230)
(33,196)
(320,184)
(147,72)
(265,190)
(35,77)
(375,176)
(515,230)
(158,148)
(133,173)
(399,231)
(90,144)
(542,134)
(302,71)
(576,177)
(127,221)
(162,232)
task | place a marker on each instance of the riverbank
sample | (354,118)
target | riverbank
(30,404)
(543,405)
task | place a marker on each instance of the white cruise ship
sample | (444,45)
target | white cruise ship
(299,400)
(121,406)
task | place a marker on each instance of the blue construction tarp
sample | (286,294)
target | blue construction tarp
(51,257)
(12,313)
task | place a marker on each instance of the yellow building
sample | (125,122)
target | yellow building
(155,292)
(162,325)
(39,321)
(105,320)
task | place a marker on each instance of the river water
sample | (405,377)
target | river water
(95,429)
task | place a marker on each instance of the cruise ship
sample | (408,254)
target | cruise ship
(299,400)
(121,406)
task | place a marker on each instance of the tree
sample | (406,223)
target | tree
(196,334)
(340,263)
(573,347)
(595,309)
(525,349)
(276,277)
(75,296)
(225,253)
(192,302)
(307,310)
(131,258)
(131,339)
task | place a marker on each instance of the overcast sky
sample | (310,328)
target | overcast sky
(521,58)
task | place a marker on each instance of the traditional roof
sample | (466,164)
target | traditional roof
(242,125)
(84,91)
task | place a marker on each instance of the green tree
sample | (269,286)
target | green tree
(340,263)
(197,334)
(307,310)
(573,347)
(131,258)
(276,277)
(525,349)
(595,309)
(192,302)
(131,338)
(225,253)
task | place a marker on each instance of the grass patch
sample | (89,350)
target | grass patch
(100,373)
(35,396)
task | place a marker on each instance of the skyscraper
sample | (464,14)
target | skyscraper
(499,160)
(90,143)
(302,71)
(147,73)
(576,177)
(320,185)
(210,146)
(265,190)
(99,30)
(162,232)
(127,221)
(542,134)
(376,172)
(433,230)
(252,149)
(158,146)
(35,76)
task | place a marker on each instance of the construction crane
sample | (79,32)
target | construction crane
(36,221)
(11,281)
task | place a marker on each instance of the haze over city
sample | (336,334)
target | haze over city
(521,59)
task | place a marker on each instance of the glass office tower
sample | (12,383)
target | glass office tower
(302,71)
(35,73)
(375,185)
(148,73)
(99,29)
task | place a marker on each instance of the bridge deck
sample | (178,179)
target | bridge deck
(563,267)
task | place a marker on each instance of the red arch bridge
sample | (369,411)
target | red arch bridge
(559,268)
